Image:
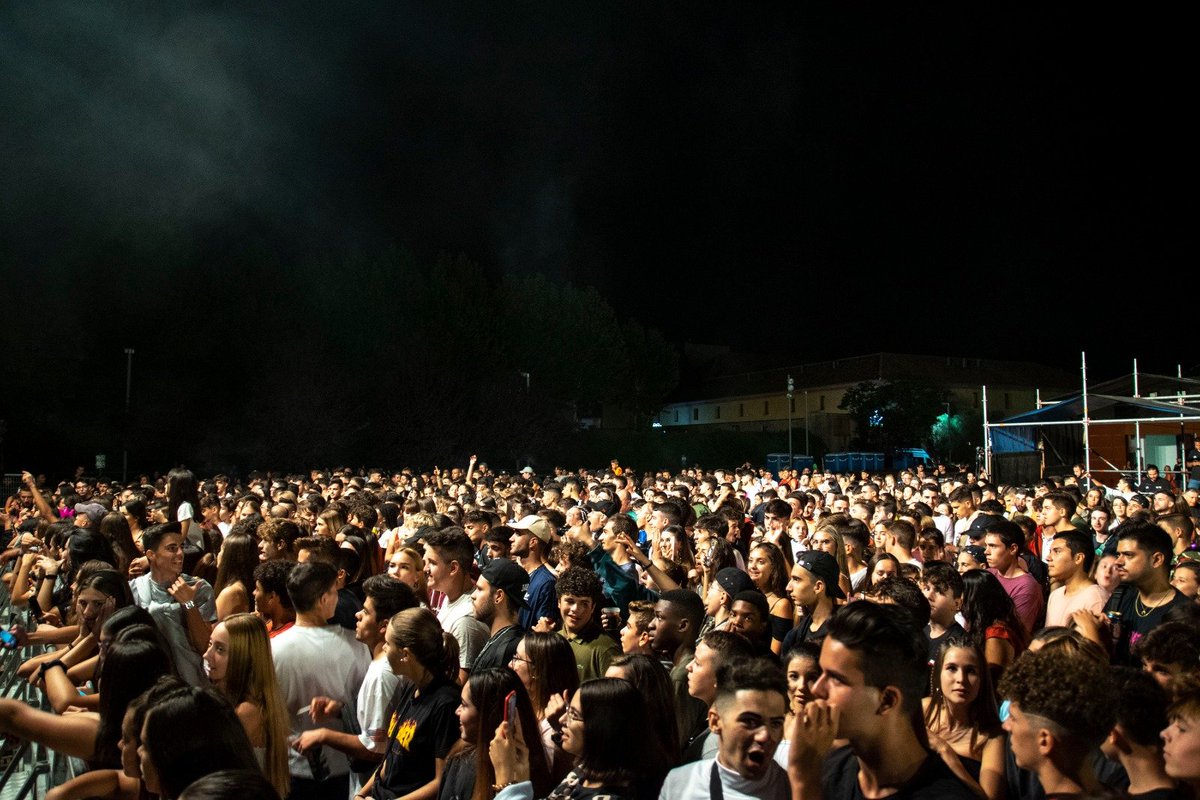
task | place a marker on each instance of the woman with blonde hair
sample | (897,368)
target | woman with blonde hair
(238,662)
(408,566)
(329,522)
(829,539)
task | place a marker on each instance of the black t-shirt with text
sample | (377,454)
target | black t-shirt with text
(422,728)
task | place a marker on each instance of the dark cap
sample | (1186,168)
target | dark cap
(504,574)
(94,511)
(733,581)
(979,527)
(757,599)
(976,552)
(825,568)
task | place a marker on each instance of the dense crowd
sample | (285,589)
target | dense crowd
(467,634)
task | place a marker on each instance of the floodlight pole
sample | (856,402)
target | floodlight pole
(1137,429)
(1087,444)
(987,439)
(790,386)
(128,385)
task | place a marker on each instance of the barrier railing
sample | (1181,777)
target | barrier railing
(27,769)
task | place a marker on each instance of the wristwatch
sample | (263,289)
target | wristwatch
(189,605)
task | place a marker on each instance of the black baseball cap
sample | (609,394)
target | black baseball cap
(825,568)
(504,574)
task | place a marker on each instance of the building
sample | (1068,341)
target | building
(742,392)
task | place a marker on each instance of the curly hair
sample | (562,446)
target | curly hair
(1171,644)
(1072,692)
(579,582)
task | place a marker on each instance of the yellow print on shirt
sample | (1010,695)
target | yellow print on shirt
(405,735)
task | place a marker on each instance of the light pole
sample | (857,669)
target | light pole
(128,384)
(807,449)
(791,386)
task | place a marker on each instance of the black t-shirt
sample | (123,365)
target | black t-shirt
(1136,620)
(805,632)
(936,644)
(499,649)
(932,781)
(458,781)
(1176,793)
(1193,456)
(422,729)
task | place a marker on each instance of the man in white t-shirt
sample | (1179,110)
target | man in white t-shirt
(385,597)
(317,661)
(449,555)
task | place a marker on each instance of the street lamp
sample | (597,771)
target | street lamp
(128,384)
(791,387)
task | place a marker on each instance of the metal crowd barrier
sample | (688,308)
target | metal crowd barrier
(27,769)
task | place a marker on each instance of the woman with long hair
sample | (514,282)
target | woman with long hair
(422,731)
(654,682)
(961,717)
(596,727)
(138,518)
(238,662)
(676,548)
(768,569)
(991,620)
(545,663)
(189,733)
(881,566)
(469,774)
(115,528)
(97,597)
(329,522)
(183,504)
(827,538)
(131,665)
(234,587)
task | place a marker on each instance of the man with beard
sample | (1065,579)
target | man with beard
(498,598)
(530,540)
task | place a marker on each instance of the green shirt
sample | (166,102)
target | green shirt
(594,651)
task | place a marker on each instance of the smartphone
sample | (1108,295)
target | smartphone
(510,707)
(8,640)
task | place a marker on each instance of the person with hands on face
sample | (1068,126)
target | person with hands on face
(595,728)
(874,667)
(183,607)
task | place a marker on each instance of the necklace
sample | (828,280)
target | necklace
(1138,605)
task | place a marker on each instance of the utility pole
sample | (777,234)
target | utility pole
(128,385)
(791,387)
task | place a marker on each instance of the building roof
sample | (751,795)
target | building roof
(728,374)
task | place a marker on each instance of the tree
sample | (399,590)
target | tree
(891,414)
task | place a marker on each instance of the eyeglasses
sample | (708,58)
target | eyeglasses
(516,659)
(573,715)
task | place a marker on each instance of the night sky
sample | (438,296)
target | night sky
(824,180)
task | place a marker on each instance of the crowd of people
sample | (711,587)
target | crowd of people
(469,634)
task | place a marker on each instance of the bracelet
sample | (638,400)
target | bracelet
(50,665)
(496,787)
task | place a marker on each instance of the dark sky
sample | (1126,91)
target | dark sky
(831,178)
